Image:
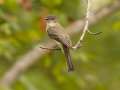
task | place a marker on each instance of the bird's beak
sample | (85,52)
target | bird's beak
(45,18)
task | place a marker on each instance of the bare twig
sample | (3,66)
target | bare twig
(85,27)
(49,48)
(92,33)
(24,62)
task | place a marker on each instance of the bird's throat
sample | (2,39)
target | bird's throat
(51,24)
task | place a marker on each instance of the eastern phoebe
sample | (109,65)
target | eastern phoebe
(56,31)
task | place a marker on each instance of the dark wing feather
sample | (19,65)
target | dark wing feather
(59,35)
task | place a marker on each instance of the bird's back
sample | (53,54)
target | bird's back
(57,32)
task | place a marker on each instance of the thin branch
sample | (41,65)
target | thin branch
(86,25)
(49,48)
(92,33)
(27,60)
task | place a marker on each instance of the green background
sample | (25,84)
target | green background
(97,63)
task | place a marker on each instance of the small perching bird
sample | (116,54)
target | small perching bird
(56,31)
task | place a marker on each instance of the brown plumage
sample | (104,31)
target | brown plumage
(56,31)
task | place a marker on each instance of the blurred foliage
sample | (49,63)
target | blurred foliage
(97,64)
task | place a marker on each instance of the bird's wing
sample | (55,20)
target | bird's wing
(65,39)
(59,35)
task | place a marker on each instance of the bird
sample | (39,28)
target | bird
(57,32)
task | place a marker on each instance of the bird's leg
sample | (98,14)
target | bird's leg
(60,46)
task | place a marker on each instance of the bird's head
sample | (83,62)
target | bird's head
(50,20)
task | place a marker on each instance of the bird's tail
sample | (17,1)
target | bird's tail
(68,58)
